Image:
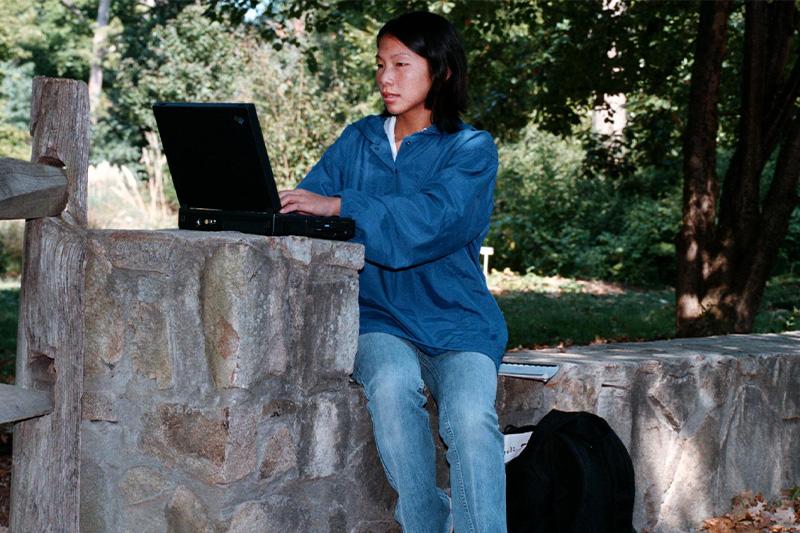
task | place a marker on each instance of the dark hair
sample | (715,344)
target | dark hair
(435,39)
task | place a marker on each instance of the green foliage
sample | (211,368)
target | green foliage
(497,36)
(554,214)
(18,28)
(300,118)
(12,237)
(780,308)
(343,61)
(189,58)
(9,306)
(535,192)
(306,93)
(586,51)
(196,55)
(15,88)
(789,257)
(60,41)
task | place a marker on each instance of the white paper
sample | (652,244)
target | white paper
(528,370)
(514,443)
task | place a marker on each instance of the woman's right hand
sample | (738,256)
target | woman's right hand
(306,202)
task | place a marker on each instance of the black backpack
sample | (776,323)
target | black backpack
(574,475)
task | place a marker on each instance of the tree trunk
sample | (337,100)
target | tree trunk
(98,55)
(696,241)
(724,260)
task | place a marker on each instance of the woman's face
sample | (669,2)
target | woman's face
(403,79)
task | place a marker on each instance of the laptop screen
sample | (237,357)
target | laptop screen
(216,156)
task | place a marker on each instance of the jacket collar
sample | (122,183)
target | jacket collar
(372,128)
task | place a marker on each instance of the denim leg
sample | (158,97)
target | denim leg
(464,385)
(388,369)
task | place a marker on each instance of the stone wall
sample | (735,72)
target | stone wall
(217,396)
(703,419)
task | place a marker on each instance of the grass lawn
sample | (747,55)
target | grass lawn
(544,311)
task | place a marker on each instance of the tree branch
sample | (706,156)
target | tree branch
(777,120)
(779,204)
(782,196)
(781,23)
(739,204)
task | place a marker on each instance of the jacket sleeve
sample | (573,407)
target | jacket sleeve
(326,177)
(451,209)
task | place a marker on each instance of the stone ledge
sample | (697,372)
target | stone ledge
(703,419)
(304,249)
(766,345)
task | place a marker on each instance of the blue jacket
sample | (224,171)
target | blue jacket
(422,219)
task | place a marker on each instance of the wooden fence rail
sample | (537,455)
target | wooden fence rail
(29,190)
(20,404)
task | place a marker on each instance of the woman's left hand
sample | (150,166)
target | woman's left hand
(302,201)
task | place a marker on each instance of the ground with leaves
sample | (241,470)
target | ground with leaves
(753,513)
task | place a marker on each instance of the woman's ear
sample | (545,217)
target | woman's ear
(449,72)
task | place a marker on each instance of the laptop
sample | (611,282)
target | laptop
(222,176)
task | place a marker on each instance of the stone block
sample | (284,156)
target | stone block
(377,526)
(101,445)
(278,408)
(330,336)
(186,513)
(244,326)
(300,507)
(128,319)
(217,445)
(99,406)
(324,435)
(280,454)
(216,396)
(141,484)
(147,342)
(94,491)
(249,517)
(370,493)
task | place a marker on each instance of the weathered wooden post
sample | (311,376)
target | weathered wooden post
(50,340)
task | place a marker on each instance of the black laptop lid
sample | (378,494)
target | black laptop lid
(216,156)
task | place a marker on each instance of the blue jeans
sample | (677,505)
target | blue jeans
(393,373)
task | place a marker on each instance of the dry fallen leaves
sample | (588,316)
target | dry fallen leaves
(753,514)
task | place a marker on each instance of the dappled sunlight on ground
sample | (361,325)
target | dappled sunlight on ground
(505,281)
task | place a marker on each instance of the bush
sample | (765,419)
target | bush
(15,95)
(12,235)
(536,192)
(643,252)
(555,213)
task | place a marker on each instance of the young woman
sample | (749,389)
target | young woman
(419,183)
